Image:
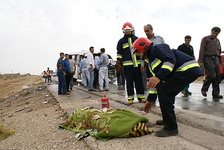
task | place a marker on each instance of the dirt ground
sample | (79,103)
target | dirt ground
(27,107)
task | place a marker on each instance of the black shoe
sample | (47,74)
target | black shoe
(66,93)
(185,95)
(91,90)
(189,93)
(106,90)
(166,132)
(184,92)
(204,93)
(218,96)
(160,122)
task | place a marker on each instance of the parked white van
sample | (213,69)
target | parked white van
(76,56)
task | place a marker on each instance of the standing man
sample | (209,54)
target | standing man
(84,71)
(120,79)
(103,70)
(209,59)
(173,71)
(187,49)
(96,70)
(67,71)
(61,76)
(49,77)
(90,67)
(72,69)
(156,39)
(131,64)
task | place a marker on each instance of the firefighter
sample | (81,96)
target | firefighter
(130,63)
(171,71)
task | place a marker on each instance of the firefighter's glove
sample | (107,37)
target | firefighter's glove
(118,66)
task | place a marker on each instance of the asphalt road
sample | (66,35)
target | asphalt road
(200,120)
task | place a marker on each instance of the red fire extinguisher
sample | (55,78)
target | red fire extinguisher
(105,101)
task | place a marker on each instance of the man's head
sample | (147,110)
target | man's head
(128,28)
(62,55)
(215,32)
(70,56)
(91,49)
(187,40)
(102,50)
(149,31)
(66,56)
(141,45)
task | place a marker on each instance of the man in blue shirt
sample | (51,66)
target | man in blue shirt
(61,76)
(67,71)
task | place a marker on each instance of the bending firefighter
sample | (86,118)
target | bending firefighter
(130,63)
(171,71)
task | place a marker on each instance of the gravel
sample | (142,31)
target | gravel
(35,116)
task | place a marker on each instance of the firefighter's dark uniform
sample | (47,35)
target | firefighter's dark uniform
(175,70)
(132,74)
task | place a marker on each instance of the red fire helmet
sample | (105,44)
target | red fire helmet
(128,27)
(142,44)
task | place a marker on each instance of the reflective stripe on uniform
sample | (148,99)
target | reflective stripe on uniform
(134,59)
(168,65)
(155,63)
(130,42)
(128,63)
(188,65)
(119,56)
(153,74)
(140,96)
(130,97)
(152,91)
(125,45)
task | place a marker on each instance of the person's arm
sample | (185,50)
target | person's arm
(192,52)
(168,60)
(74,67)
(201,52)
(91,63)
(119,57)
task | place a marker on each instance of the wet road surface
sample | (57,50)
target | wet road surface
(199,103)
(194,102)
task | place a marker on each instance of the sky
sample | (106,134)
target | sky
(34,32)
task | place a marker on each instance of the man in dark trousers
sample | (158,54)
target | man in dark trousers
(187,49)
(61,76)
(209,59)
(131,64)
(67,71)
(171,71)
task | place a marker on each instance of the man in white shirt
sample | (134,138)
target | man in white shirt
(90,66)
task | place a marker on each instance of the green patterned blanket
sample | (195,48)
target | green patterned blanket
(107,123)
